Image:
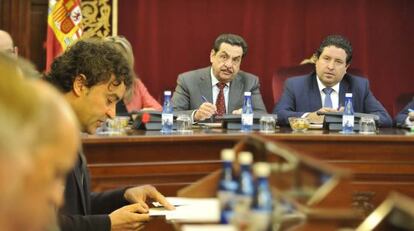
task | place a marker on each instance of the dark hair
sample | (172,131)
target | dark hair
(339,42)
(232,39)
(94,58)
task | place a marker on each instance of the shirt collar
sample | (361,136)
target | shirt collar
(321,86)
(214,80)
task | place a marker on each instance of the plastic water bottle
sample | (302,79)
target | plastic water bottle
(244,193)
(348,115)
(167,113)
(227,186)
(247,112)
(262,204)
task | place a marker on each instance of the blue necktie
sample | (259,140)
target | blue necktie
(328,100)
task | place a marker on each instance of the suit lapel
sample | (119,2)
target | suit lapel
(315,95)
(79,179)
(205,86)
(235,94)
(343,88)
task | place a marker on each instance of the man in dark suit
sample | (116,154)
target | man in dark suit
(218,89)
(324,90)
(406,116)
(93,77)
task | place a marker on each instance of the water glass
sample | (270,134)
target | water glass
(184,123)
(267,124)
(118,124)
(367,125)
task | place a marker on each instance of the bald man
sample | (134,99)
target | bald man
(6,43)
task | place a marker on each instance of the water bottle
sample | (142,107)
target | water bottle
(227,186)
(244,193)
(262,204)
(167,113)
(247,112)
(348,115)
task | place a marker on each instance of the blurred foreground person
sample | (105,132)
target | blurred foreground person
(39,137)
(7,44)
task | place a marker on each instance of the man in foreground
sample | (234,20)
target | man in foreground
(93,76)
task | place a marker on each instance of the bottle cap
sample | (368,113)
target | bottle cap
(348,94)
(167,92)
(245,158)
(227,154)
(261,169)
(247,93)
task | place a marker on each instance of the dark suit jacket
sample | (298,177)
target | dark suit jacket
(83,210)
(402,115)
(194,84)
(301,94)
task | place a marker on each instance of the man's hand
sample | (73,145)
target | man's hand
(411,116)
(328,109)
(140,194)
(237,112)
(205,111)
(130,217)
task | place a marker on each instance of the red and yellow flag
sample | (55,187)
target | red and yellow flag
(64,27)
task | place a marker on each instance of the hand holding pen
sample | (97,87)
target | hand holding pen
(205,111)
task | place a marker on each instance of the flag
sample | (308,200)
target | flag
(64,17)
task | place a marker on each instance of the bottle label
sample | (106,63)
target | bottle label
(347,121)
(260,220)
(167,119)
(225,198)
(247,119)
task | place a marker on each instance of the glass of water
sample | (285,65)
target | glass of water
(267,124)
(184,123)
(367,125)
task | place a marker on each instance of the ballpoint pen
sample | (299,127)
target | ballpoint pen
(204,99)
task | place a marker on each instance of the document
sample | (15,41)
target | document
(189,210)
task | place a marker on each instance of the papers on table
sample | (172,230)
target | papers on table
(189,210)
(208,228)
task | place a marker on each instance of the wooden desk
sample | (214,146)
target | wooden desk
(381,163)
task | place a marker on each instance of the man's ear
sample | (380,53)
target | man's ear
(79,85)
(212,53)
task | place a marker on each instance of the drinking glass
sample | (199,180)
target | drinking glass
(367,125)
(267,124)
(184,123)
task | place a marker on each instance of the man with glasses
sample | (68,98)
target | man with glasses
(219,88)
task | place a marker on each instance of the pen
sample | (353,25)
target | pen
(204,99)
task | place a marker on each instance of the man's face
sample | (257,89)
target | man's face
(46,183)
(331,65)
(97,104)
(226,62)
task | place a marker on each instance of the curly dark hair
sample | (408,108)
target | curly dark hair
(232,39)
(336,41)
(96,59)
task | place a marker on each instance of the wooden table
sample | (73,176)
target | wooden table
(381,162)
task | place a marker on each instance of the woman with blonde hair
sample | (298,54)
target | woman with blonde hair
(138,98)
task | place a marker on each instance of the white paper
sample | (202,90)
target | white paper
(190,210)
(208,228)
